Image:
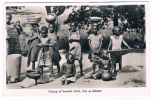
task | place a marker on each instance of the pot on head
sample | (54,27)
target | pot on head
(50,18)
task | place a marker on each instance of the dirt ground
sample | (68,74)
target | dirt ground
(133,75)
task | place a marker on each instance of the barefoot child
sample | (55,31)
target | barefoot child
(74,45)
(95,43)
(104,64)
(116,41)
(69,70)
(46,52)
(54,41)
(33,50)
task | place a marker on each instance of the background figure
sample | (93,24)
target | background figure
(74,45)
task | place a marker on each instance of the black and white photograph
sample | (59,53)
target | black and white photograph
(75,46)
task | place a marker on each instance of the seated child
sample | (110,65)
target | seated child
(95,43)
(46,52)
(104,64)
(68,70)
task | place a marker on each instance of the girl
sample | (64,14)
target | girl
(95,43)
(54,40)
(33,49)
(74,44)
(115,43)
(46,52)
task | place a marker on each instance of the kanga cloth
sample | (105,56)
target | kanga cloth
(77,52)
(33,50)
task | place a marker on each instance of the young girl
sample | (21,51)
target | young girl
(33,49)
(95,43)
(74,45)
(116,41)
(54,41)
(46,51)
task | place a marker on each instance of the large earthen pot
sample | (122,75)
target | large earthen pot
(106,76)
(106,33)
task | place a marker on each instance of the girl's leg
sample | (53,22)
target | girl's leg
(58,68)
(33,65)
(94,68)
(120,64)
(114,65)
(81,67)
(52,74)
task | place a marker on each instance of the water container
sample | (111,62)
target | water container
(13,66)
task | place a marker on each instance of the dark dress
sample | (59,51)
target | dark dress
(33,49)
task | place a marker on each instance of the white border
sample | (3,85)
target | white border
(130,91)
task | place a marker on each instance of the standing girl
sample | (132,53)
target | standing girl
(46,52)
(33,49)
(54,40)
(95,43)
(115,43)
(74,45)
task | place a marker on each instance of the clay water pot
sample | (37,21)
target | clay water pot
(50,18)
(106,76)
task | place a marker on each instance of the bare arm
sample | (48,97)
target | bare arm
(63,69)
(126,44)
(100,43)
(110,43)
(90,45)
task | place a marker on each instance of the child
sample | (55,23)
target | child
(46,52)
(33,49)
(104,63)
(68,69)
(115,43)
(95,43)
(10,24)
(54,41)
(74,45)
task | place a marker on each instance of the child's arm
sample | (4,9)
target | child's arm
(90,45)
(63,69)
(126,44)
(89,38)
(110,43)
(100,43)
(34,36)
